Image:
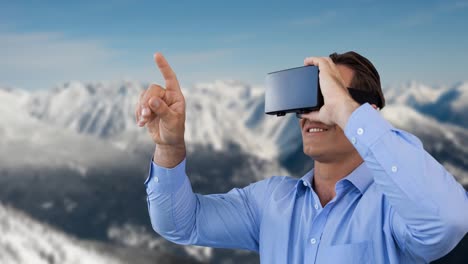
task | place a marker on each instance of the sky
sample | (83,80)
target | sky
(45,43)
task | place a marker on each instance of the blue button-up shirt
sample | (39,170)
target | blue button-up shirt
(399,206)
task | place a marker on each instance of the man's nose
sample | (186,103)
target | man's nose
(305,114)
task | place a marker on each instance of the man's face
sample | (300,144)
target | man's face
(327,143)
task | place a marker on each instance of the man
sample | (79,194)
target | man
(374,195)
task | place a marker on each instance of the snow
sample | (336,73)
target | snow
(102,108)
(26,141)
(84,125)
(77,117)
(419,95)
(27,241)
(411,93)
(218,113)
(461,103)
(405,117)
(140,237)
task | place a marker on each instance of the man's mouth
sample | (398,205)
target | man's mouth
(316,130)
(312,127)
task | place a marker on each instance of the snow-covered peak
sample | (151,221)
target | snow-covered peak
(448,104)
(225,112)
(25,240)
(461,102)
(218,113)
(229,89)
(100,88)
(10,97)
(404,116)
(102,108)
(28,142)
(412,93)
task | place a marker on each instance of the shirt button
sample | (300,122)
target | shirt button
(394,168)
(313,241)
(156,179)
(305,183)
(360,131)
(353,140)
(316,206)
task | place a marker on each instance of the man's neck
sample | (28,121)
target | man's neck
(327,174)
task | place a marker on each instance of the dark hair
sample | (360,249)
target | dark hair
(366,77)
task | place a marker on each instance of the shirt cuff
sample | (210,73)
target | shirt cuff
(365,126)
(165,180)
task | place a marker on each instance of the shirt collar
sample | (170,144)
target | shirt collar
(305,180)
(361,177)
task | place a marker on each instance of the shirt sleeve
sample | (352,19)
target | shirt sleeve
(228,220)
(429,207)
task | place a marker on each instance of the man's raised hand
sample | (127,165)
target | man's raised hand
(162,110)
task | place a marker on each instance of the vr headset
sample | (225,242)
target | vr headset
(297,90)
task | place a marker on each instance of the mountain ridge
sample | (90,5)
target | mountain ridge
(87,133)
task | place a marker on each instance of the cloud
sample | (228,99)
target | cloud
(43,55)
(40,60)
(49,51)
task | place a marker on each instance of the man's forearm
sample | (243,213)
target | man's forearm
(430,206)
(169,156)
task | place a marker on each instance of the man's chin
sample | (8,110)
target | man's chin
(314,154)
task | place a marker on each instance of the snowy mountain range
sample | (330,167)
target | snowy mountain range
(79,146)
(224,112)
(218,114)
(448,104)
(25,240)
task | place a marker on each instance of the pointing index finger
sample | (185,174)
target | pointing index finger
(167,72)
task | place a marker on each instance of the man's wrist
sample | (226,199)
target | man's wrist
(169,156)
(344,111)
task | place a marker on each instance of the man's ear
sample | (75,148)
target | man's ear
(375,107)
